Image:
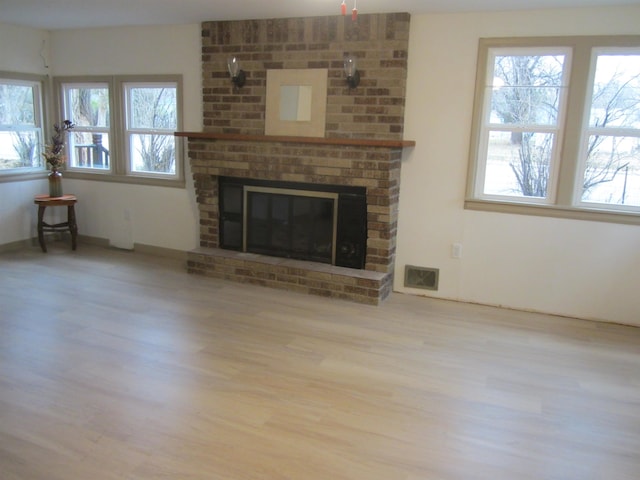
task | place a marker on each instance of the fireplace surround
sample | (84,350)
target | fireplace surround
(372,165)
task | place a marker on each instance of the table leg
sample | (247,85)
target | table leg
(73,226)
(41,209)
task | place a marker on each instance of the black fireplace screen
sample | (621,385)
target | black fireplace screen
(288,223)
(306,222)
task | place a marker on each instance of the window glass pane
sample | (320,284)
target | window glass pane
(612,173)
(90,150)
(19,150)
(20,124)
(89,106)
(153,108)
(525,89)
(518,164)
(17,105)
(616,92)
(153,153)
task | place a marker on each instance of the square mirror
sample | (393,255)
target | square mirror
(296,102)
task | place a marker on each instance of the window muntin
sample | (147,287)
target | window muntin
(152,119)
(524,91)
(610,156)
(581,184)
(21,136)
(87,106)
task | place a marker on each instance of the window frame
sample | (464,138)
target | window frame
(96,82)
(566,202)
(487,127)
(40,114)
(129,130)
(589,130)
(120,171)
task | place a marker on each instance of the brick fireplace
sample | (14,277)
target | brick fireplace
(362,147)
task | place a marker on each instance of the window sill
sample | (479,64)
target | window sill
(23,176)
(554,211)
(133,180)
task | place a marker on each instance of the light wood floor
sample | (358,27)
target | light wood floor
(117,365)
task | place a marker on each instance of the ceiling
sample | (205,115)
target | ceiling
(61,14)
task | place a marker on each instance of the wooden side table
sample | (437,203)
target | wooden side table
(44,201)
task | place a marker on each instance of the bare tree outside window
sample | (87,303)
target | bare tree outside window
(556,128)
(613,148)
(88,109)
(152,121)
(525,101)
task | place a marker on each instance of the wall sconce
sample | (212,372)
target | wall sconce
(351,71)
(238,76)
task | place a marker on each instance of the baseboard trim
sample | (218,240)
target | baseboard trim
(160,251)
(104,243)
(97,241)
(18,245)
(137,247)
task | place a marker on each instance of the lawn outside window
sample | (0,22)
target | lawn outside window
(556,128)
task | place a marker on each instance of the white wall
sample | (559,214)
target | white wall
(569,267)
(122,213)
(23,50)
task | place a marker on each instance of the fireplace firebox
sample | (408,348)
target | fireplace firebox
(320,223)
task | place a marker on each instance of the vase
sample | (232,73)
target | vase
(55,183)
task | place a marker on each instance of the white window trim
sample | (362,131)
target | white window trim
(119,157)
(565,204)
(125,87)
(29,173)
(487,127)
(95,82)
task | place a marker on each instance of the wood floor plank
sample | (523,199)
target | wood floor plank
(119,365)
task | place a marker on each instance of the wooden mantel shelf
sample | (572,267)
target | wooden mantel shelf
(349,142)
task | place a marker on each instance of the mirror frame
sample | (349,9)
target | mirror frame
(314,77)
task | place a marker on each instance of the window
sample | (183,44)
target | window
(21,136)
(557,128)
(611,149)
(87,106)
(124,128)
(151,120)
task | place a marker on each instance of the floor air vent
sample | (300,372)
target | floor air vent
(421,277)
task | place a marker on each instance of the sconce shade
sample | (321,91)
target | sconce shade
(351,71)
(234,66)
(238,76)
(350,65)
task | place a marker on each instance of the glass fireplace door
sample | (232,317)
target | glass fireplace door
(288,223)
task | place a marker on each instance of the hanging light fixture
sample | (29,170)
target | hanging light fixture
(238,76)
(354,12)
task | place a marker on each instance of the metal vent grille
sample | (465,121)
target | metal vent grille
(421,277)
